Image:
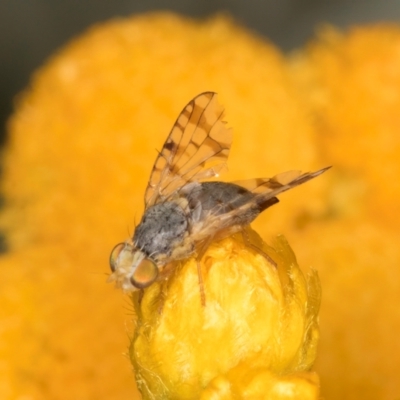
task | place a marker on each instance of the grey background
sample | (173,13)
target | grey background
(30,30)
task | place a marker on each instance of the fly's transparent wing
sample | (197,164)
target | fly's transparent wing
(264,192)
(265,189)
(197,148)
(269,187)
(265,185)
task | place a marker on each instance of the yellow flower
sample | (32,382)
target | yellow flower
(256,335)
(81,146)
(350,83)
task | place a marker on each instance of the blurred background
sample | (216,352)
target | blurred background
(57,210)
(31,30)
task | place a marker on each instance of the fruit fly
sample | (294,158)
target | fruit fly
(183,214)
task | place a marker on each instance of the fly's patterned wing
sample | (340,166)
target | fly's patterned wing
(265,185)
(265,191)
(197,148)
(267,188)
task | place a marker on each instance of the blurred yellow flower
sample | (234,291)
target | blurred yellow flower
(350,83)
(81,145)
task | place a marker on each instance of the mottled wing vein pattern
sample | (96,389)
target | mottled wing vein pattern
(266,185)
(270,187)
(197,148)
(284,181)
(264,189)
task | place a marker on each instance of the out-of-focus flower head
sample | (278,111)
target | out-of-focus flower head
(81,146)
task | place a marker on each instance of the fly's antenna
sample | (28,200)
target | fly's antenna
(134,227)
(152,254)
(129,231)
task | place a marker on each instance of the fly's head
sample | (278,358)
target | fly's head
(131,268)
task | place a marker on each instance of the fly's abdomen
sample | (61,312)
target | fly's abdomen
(222,197)
(219,198)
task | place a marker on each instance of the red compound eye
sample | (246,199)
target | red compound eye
(114,255)
(145,274)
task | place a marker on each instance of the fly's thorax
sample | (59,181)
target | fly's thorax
(163,227)
(131,269)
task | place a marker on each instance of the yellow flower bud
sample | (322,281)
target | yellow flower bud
(256,334)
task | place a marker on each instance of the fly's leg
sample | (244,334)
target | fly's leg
(256,247)
(140,296)
(161,302)
(201,283)
(163,276)
(200,253)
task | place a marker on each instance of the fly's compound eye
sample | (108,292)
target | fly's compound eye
(116,251)
(145,274)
